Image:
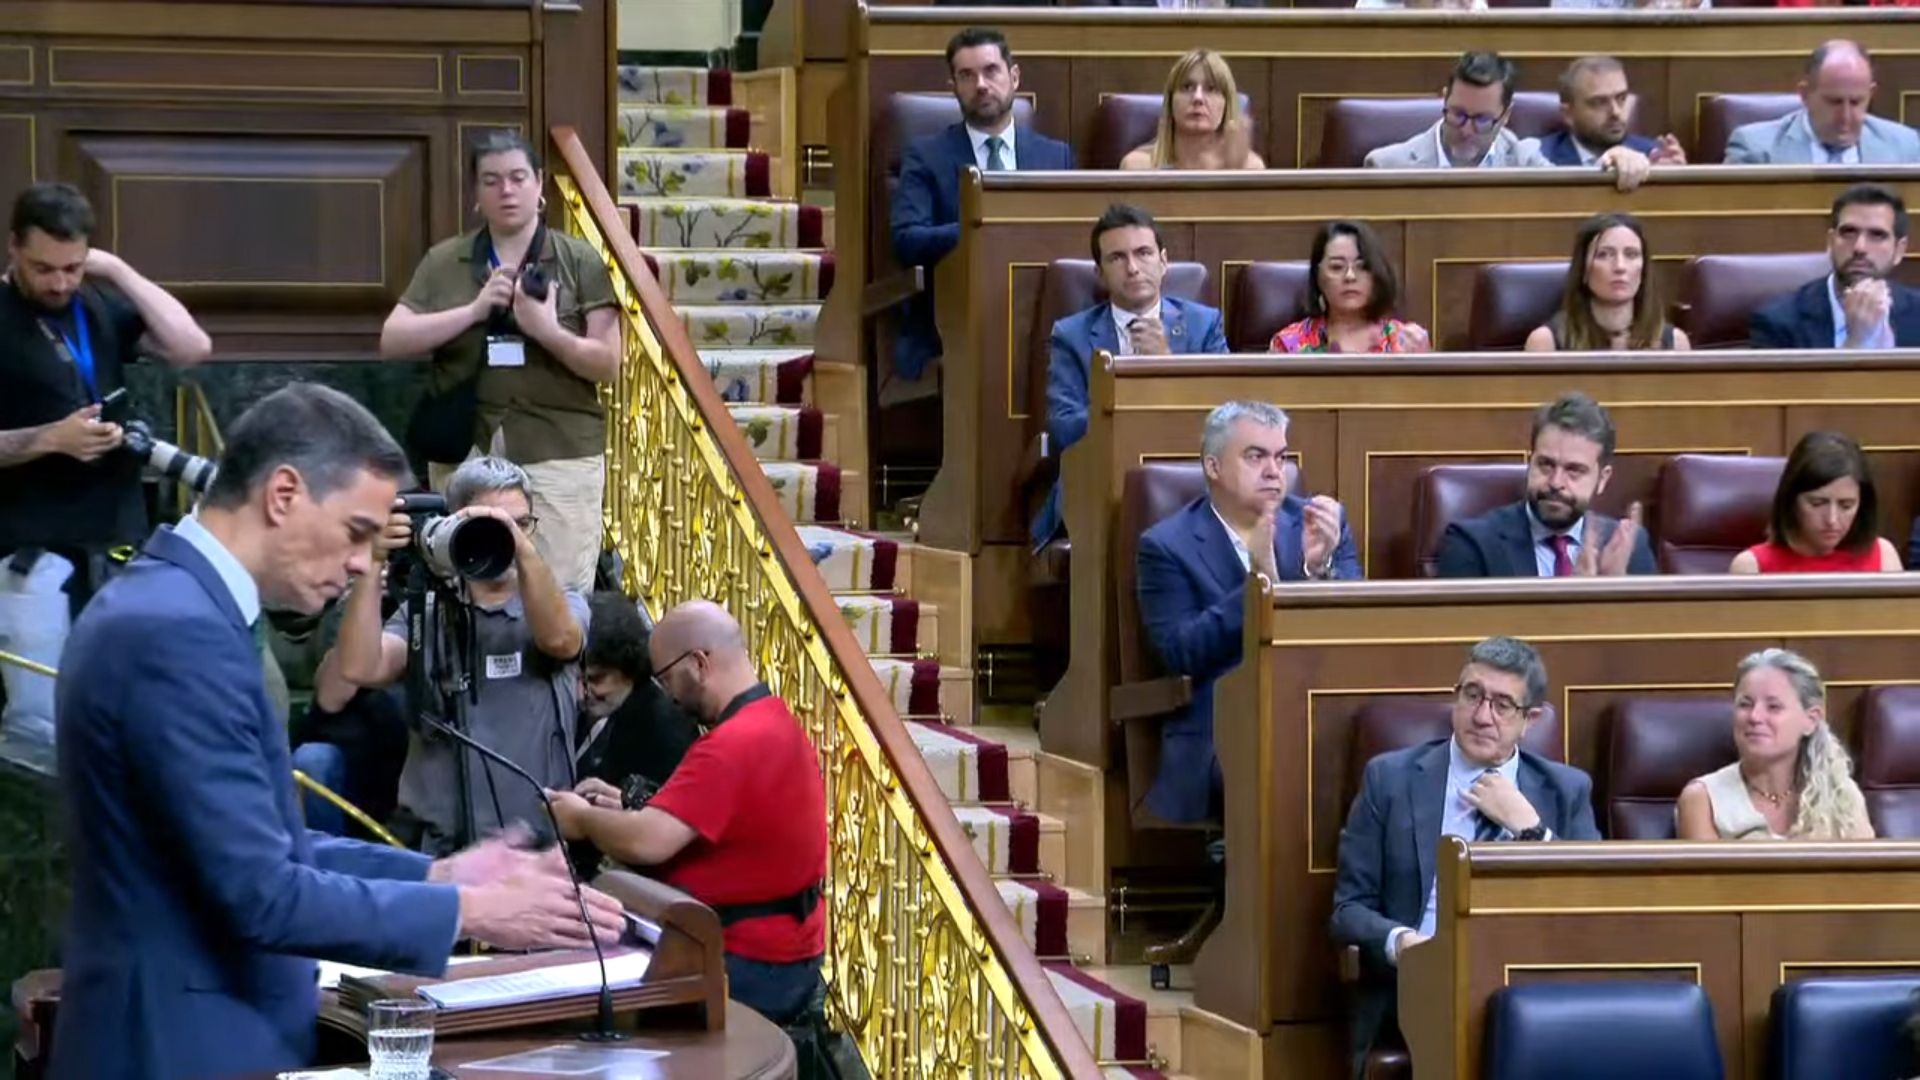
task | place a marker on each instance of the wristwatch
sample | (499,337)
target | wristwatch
(1538,832)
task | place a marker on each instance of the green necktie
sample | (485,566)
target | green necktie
(259,628)
(996,154)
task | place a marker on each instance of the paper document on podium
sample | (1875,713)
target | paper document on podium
(538,984)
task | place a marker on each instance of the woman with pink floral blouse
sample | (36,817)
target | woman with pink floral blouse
(1351,289)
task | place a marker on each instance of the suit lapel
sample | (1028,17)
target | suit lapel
(1217,547)
(1101,333)
(1429,810)
(1516,534)
(960,144)
(170,548)
(1287,556)
(1816,307)
(1533,784)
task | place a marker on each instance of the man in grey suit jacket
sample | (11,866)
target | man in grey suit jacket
(1832,127)
(1477,784)
(1552,532)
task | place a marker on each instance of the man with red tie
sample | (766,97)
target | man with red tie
(1551,532)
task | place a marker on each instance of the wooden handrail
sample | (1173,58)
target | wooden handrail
(949,841)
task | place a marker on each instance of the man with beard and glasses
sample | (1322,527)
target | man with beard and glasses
(1552,533)
(1858,306)
(1594,100)
(926,205)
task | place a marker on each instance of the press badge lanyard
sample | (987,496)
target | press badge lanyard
(503,350)
(76,349)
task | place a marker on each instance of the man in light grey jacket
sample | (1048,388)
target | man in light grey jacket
(1472,130)
(1832,127)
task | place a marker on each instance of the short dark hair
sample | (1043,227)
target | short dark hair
(1485,69)
(1818,459)
(1870,195)
(500,141)
(616,636)
(1386,284)
(57,209)
(1122,216)
(1570,78)
(975,36)
(1576,413)
(322,433)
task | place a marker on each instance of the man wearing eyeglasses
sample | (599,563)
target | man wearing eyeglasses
(741,825)
(1478,784)
(530,632)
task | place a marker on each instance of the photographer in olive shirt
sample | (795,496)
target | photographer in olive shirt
(522,327)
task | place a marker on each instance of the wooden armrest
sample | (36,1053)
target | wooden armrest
(1350,965)
(1150,699)
(893,290)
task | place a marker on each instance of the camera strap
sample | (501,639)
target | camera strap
(75,349)
(799,905)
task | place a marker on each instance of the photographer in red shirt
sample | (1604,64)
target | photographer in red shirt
(742,824)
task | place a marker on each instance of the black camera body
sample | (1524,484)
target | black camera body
(455,548)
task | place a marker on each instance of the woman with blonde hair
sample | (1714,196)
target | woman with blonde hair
(1793,780)
(1201,125)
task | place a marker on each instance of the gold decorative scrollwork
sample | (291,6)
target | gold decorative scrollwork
(910,973)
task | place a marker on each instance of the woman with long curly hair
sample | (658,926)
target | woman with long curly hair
(1201,125)
(1793,780)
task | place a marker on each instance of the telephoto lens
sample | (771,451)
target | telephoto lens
(165,461)
(467,547)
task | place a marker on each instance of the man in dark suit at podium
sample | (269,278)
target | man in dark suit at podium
(926,205)
(198,896)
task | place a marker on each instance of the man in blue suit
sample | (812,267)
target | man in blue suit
(1553,532)
(1134,319)
(1859,305)
(1594,105)
(198,896)
(1477,784)
(926,205)
(1192,574)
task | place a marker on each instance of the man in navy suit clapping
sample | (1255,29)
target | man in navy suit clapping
(926,205)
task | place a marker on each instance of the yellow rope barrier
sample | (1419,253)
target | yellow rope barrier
(351,810)
(34,666)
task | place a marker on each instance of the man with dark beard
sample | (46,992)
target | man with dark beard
(926,205)
(1858,306)
(1550,533)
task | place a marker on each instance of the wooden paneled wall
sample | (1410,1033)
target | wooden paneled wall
(281,165)
(1283,720)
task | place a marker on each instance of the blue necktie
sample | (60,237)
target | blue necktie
(1484,827)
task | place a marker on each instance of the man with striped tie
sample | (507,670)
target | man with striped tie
(1477,783)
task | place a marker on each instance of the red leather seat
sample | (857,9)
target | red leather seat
(1718,293)
(1655,746)
(1268,297)
(1124,122)
(1449,493)
(1720,114)
(1713,507)
(1510,300)
(1356,126)
(1889,765)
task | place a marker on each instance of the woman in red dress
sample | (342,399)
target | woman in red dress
(1825,517)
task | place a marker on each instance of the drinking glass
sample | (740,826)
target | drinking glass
(400,1039)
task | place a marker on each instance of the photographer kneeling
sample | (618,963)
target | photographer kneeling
(742,823)
(529,633)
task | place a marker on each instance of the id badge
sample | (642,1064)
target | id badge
(506,352)
(503,667)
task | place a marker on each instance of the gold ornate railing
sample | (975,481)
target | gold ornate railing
(925,966)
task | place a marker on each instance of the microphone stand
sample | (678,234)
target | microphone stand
(603,1028)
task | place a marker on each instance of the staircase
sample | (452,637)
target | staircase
(747,268)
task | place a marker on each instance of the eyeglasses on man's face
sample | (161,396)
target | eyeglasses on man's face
(1472,695)
(1481,123)
(659,676)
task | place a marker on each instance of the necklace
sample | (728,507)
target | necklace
(1773,797)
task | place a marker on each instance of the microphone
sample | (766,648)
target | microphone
(603,1028)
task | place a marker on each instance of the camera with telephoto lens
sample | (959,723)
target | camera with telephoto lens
(454,547)
(165,461)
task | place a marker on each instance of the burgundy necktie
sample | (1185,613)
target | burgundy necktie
(1562,562)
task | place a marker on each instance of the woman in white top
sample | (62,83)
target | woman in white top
(1793,779)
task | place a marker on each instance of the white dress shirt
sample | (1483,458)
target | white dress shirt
(1239,545)
(240,583)
(1882,336)
(1123,321)
(980,153)
(1543,549)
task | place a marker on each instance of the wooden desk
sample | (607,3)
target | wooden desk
(1736,919)
(1364,429)
(749,1048)
(1318,652)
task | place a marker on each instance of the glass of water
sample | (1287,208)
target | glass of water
(400,1039)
